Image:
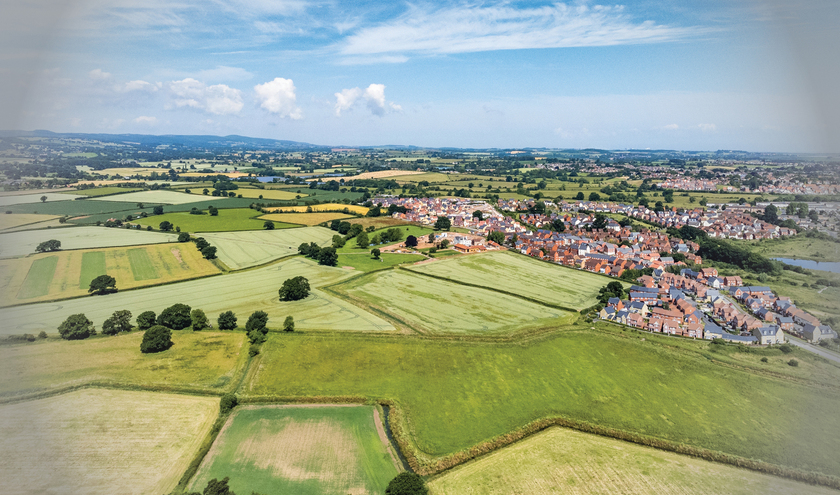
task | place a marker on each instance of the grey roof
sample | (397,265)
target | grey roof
(768,331)
(639,288)
(641,295)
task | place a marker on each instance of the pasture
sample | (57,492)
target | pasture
(521,275)
(302,450)
(268,194)
(434,306)
(561,460)
(459,394)
(383,222)
(385,174)
(12,221)
(153,197)
(35,198)
(228,220)
(797,247)
(103,191)
(305,218)
(206,360)
(406,229)
(24,242)
(64,274)
(85,207)
(320,207)
(246,249)
(102,441)
(243,293)
(365,262)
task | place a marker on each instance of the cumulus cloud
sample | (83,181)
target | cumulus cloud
(374,97)
(144,119)
(278,97)
(99,75)
(139,85)
(218,99)
(671,127)
(707,127)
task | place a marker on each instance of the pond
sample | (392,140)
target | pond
(826,266)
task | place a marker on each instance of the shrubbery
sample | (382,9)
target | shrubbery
(156,339)
(76,327)
(120,321)
(176,317)
(146,320)
(407,483)
(226,321)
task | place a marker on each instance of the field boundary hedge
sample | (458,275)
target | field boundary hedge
(105,384)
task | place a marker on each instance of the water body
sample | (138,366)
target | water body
(826,266)
(271,179)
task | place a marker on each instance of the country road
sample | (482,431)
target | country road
(813,348)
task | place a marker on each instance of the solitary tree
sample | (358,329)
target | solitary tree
(176,317)
(294,289)
(43,199)
(268,225)
(478,214)
(407,483)
(157,210)
(432,238)
(226,321)
(199,320)
(120,321)
(327,256)
(103,284)
(166,226)
(213,211)
(146,320)
(50,245)
(289,324)
(76,327)
(256,326)
(411,241)
(443,223)
(376,253)
(362,240)
(156,339)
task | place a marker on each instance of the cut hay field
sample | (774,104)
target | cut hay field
(102,441)
(24,242)
(268,194)
(365,262)
(246,249)
(103,191)
(385,174)
(428,305)
(434,177)
(72,208)
(459,394)
(205,359)
(34,198)
(321,207)
(302,450)
(12,221)
(566,461)
(228,220)
(305,218)
(153,197)
(378,222)
(242,293)
(521,275)
(65,274)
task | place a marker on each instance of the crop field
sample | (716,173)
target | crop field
(103,191)
(305,218)
(406,229)
(102,441)
(268,194)
(34,198)
(433,306)
(321,207)
(66,274)
(121,171)
(206,359)
(428,176)
(24,242)
(246,249)
(521,275)
(73,208)
(153,197)
(386,174)
(478,390)
(365,262)
(12,221)
(228,220)
(302,450)
(243,293)
(797,247)
(561,460)
(378,222)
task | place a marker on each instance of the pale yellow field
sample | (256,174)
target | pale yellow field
(304,218)
(381,174)
(13,220)
(265,193)
(132,171)
(232,175)
(322,207)
(102,441)
(172,262)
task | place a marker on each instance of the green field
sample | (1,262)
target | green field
(73,208)
(560,460)
(206,359)
(300,450)
(38,278)
(521,275)
(24,243)
(797,247)
(406,230)
(228,220)
(33,199)
(142,266)
(365,262)
(246,249)
(93,265)
(434,306)
(243,293)
(458,394)
(97,192)
(102,441)
(156,197)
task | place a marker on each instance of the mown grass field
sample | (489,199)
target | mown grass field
(73,208)
(228,220)
(560,460)
(245,249)
(300,450)
(206,359)
(12,221)
(33,199)
(407,230)
(24,242)
(102,441)
(103,191)
(365,262)
(378,222)
(321,207)
(268,194)
(437,307)
(521,275)
(797,247)
(64,274)
(459,394)
(157,197)
(243,293)
(305,218)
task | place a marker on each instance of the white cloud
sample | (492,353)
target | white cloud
(218,99)
(144,119)
(345,99)
(278,97)
(374,97)
(670,127)
(707,127)
(138,86)
(225,73)
(466,28)
(99,75)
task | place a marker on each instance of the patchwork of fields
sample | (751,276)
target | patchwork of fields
(305,218)
(64,274)
(268,194)
(227,220)
(21,219)
(246,249)
(158,197)
(321,207)
(24,242)
(35,198)
(102,441)
(301,450)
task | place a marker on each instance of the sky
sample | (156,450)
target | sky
(756,75)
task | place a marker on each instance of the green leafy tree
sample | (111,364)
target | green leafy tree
(209,252)
(166,226)
(76,327)
(376,253)
(432,238)
(156,339)
(294,289)
(213,211)
(146,320)
(328,257)
(199,320)
(407,483)
(338,242)
(228,402)
(157,210)
(355,230)
(103,284)
(362,240)
(344,228)
(496,236)
(268,225)
(443,223)
(579,196)
(612,289)
(226,321)
(43,199)
(257,322)
(771,214)
(375,240)
(51,245)
(600,221)
(289,324)
(478,214)
(183,237)
(118,322)
(176,317)
(411,241)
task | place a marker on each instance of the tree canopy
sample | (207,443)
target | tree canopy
(226,321)
(103,284)
(50,245)
(443,223)
(294,289)
(118,322)
(156,339)
(146,320)
(76,327)
(176,317)
(496,236)
(407,483)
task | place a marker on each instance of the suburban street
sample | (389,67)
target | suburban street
(813,348)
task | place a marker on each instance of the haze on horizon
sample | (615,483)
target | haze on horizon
(758,75)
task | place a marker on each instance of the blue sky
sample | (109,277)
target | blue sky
(741,74)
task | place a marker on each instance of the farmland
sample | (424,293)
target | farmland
(365,262)
(34,198)
(103,191)
(386,174)
(321,207)
(245,249)
(101,441)
(65,274)
(301,450)
(560,460)
(798,247)
(434,306)
(20,220)
(228,220)
(73,208)
(406,230)
(242,293)
(378,222)
(207,360)
(159,196)
(305,218)
(617,380)
(24,242)
(268,194)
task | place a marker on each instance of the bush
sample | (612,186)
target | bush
(407,483)
(226,321)
(256,327)
(793,362)
(209,252)
(156,339)
(786,348)
(228,402)
(289,324)
(183,237)
(199,320)
(42,335)
(76,327)
(254,350)
(176,317)
(294,289)
(764,359)
(146,320)
(51,245)
(120,321)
